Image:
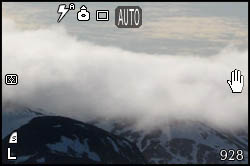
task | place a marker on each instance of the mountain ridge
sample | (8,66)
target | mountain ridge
(57,139)
(177,142)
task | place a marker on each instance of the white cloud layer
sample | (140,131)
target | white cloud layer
(61,74)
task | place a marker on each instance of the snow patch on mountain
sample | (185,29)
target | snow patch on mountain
(79,148)
(113,144)
(180,141)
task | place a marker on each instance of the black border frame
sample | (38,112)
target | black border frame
(137,1)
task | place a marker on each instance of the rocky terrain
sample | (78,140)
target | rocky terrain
(181,141)
(54,139)
(177,142)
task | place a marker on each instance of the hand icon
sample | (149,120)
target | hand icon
(237,81)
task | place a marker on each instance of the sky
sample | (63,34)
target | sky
(174,28)
(176,65)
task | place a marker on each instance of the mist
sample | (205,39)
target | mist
(67,76)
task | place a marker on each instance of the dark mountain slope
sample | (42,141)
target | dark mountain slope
(54,139)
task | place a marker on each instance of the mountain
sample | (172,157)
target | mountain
(180,141)
(54,139)
(176,142)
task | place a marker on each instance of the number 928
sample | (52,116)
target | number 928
(231,155)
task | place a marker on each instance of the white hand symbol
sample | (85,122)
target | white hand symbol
(237,81)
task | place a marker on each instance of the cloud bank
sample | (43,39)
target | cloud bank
(61,74)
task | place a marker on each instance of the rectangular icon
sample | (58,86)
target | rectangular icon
(99,16)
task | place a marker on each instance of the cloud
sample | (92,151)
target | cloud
(61,74)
